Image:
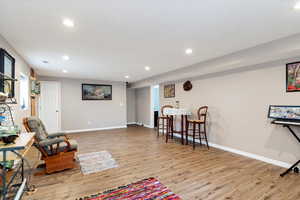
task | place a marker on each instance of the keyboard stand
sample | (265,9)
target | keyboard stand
(285,124)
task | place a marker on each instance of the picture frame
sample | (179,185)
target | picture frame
(35,87)
(96,91)
(169,91)
(7,67)
(293,77)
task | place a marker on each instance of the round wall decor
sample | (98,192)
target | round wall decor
(187,86)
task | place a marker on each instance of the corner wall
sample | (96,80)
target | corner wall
(238,105)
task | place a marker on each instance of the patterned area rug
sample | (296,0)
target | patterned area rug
(96,161)
(147,189)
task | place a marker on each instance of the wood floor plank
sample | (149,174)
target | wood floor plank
(192,174)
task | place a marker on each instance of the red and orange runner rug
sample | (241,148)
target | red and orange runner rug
(147,189)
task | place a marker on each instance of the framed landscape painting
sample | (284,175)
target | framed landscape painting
(96,92)
(169,91)
(293,77)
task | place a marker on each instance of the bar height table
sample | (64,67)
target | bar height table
(183,113)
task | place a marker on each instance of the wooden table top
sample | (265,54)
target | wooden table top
(177,111)
(22,145)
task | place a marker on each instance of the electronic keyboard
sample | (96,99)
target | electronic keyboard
(287,122)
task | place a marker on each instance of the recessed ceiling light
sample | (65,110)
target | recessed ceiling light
(45,61)
(147,68)
(297,6)
(68,23)
(188,51)
(64,71)
(127,77)
(65,57)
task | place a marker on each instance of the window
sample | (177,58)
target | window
(24,92)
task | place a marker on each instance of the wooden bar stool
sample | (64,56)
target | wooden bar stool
(165,119)
(201,121)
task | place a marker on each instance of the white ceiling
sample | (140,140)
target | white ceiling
(114,38)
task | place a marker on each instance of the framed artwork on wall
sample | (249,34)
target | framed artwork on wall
(35,87)
(293,77)
(96,92)
(169,91)
(7,67)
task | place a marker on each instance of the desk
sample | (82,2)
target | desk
(183,113)
(16,152)
(288,125)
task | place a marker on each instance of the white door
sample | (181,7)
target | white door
(49,106)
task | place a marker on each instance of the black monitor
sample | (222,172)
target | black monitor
(284,112)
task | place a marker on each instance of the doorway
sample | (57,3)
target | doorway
(154,105)
(50,105)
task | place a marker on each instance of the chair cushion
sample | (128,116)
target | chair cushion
(51,141)
(36,125)
(196,121)
(63,145)
(53,135)
(163,117)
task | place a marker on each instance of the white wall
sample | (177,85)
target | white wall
(238,105)
(131,106)
(143,105)
(80,115)
(20,67)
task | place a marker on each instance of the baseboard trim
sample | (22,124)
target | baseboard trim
(144,125)
(147,126)
(243,153)
(94,129)
(131,123)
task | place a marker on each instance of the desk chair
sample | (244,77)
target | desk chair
(58,151)
(201,121)
(165,119)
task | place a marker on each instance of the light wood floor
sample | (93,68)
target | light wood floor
(201,174)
